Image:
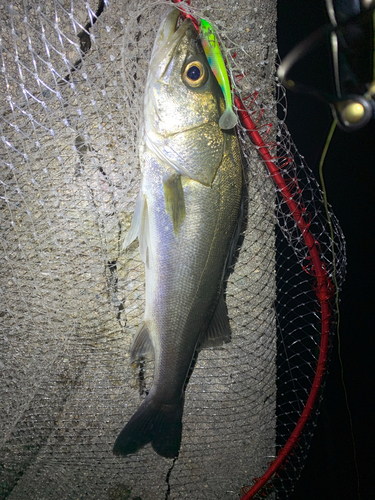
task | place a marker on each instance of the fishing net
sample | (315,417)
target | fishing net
(72,81)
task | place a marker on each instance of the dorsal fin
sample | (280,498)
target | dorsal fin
(140,228)
(142,347)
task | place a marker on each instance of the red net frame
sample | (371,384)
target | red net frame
(324,292)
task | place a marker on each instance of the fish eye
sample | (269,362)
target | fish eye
(195,74)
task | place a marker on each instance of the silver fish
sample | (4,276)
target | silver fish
(185,219)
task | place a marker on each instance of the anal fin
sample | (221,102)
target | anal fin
(218,331)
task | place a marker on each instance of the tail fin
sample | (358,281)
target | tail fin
(159,424)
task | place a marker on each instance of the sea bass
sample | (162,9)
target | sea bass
(185,219)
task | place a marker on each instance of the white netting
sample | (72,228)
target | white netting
(71,82)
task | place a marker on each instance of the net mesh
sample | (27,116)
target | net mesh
(71,82)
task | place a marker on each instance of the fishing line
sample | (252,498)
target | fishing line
(334,278)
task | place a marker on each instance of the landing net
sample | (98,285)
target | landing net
(71,91)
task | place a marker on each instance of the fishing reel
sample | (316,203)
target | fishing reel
(354,112)
(336,63)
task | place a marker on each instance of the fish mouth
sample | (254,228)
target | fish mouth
(166,42)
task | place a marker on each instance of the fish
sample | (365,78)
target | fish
(186,218)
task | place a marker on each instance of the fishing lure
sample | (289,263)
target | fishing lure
(212,50)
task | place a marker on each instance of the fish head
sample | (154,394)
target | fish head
(181,90)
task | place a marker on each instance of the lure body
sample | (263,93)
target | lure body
(212,50)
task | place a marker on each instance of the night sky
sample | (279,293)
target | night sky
(330,471)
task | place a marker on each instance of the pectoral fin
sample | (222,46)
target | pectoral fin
(142,347)
(174,200)
(218,331)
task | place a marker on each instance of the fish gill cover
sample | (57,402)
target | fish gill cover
(72,83)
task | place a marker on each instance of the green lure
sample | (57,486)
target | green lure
(212,50)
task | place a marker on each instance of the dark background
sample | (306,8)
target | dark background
(331,470)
